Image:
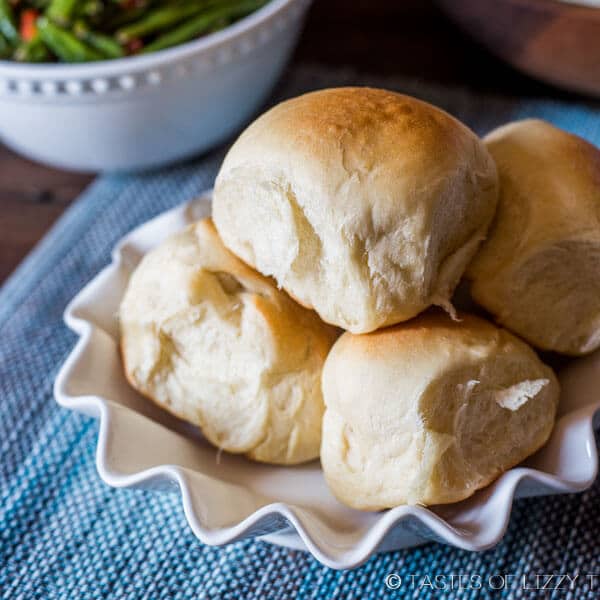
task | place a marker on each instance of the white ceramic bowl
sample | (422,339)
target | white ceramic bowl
(227,497)
(145,111)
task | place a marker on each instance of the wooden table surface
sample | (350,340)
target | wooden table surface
(405,37)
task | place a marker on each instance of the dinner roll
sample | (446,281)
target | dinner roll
(538,272)
(363,204)
(217,344)
(429,411)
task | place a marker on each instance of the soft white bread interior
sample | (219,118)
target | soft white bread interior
(363,204)
(429,411)
(218,345)
(538,272)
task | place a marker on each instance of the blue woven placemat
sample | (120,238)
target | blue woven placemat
(65,534)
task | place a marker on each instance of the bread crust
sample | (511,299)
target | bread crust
(217,344)
(429,411)
(538,272)
(363,204)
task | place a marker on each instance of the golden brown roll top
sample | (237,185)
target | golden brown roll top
(538,272)
(363,204)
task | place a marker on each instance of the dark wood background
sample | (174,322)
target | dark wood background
(406,37)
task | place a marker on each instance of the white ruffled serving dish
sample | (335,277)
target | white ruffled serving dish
(227,498)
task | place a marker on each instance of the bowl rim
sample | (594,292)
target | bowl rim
(121,66)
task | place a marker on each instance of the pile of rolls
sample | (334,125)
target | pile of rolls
(313,316)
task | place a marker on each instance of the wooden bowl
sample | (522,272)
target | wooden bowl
(553,40)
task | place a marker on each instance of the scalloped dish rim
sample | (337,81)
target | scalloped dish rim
(300,527)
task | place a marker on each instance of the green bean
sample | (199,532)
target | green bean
(86,30)
(32,51)
(91,8)
(62,11)
(124,17)
(64,44)
(201,24)
(104,44)
(8,27)
(218,25)
(5,49)
(158,19)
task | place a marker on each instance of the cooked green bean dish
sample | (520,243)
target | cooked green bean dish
(76,31)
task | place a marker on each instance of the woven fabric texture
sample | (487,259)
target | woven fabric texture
(65,534)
